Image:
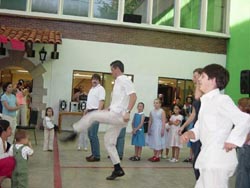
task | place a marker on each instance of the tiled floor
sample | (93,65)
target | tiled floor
(67,168)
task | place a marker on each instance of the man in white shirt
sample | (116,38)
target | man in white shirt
(117,116)
(95,101)
(218,113)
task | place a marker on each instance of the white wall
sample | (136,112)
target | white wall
(145,63)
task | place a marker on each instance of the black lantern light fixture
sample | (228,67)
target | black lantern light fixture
(2,50)
(42,54)
(55,54)
(29,49)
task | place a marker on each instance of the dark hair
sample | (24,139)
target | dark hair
(179,106)
(218,72)
(6,85)
(118,64)
(189,97)
(198,70)
(4,125)
(96,77)
(141,104)
(46,111)
(20,134)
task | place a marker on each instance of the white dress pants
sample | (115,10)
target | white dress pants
(22,115)
(214,178)
(83,140)
(115,120)
(48,142)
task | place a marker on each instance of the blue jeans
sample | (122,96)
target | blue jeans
(94,140)
(121,142)
(243,168)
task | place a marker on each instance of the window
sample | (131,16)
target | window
(76,7)
(216,15)
(190,14)
(137,7)
(163,12)
(82,79)
(107,9)
(170,88)
(47,6)
(13,4)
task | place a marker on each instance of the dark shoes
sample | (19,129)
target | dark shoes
(71,137)
(188,160)
(115,174)
(134,158)
(92,158)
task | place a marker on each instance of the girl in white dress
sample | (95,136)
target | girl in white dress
(174,138)
(49,131)
(156,130)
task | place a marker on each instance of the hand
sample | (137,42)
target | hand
(180,131)
(228,146)
(184,138)
(162,132)
(126,117)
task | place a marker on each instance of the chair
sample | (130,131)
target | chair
(32,123)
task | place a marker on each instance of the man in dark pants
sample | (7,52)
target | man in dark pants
(196,146)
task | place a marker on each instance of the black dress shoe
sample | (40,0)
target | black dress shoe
(71,137)
(115,174)
(88,157)
(92,159)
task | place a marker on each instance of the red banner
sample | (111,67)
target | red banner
(17,45)
(3,39)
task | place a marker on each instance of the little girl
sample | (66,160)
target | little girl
(156,130)
(174,138)
(21,150)
(49,131)
(138,139)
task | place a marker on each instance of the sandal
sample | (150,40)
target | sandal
(136,159)
(132,158)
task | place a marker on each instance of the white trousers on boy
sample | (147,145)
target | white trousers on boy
(115,120)
(213,178)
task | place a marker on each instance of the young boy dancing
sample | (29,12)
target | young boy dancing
(221,127)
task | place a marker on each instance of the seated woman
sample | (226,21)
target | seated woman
(7,162)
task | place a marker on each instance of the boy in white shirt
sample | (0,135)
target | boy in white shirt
(214,128)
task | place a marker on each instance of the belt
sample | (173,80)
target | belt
(90,110)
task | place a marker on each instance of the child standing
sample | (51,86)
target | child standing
(156,130)
(174,138)
(138,139)
(49,131)
(21,150)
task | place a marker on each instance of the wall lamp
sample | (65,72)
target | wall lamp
(2,50)
(55,54)
(42,55)
(29,49)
